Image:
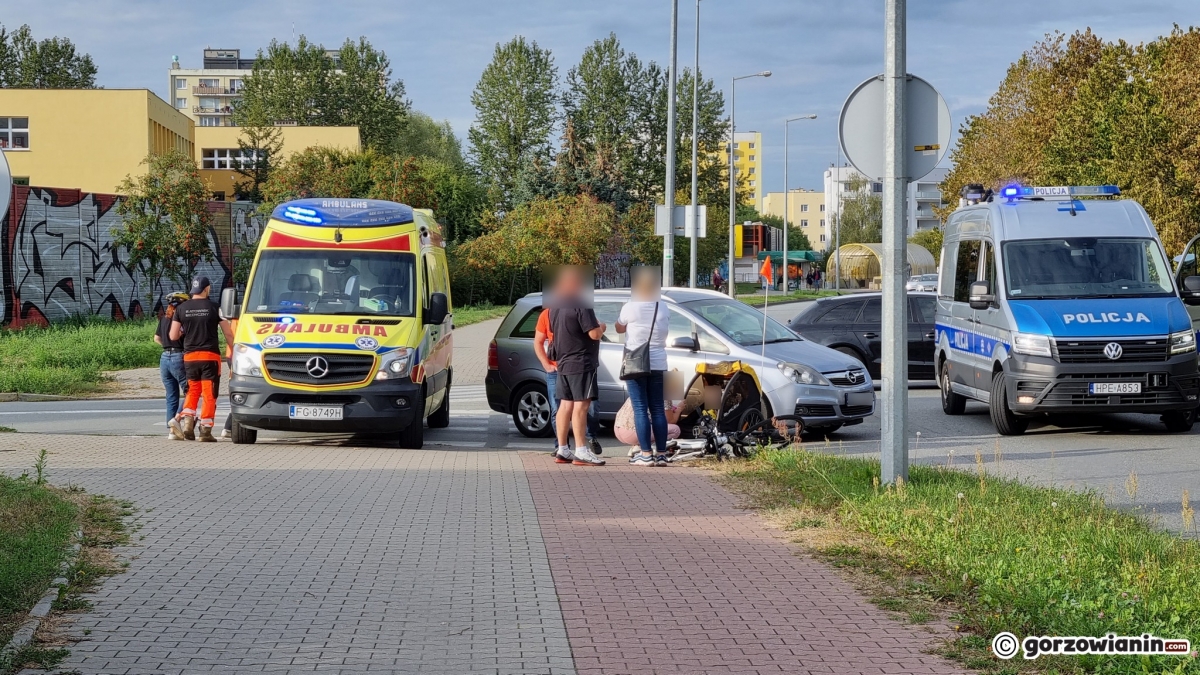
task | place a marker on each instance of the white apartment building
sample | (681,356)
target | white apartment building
(923,195)
(208,94)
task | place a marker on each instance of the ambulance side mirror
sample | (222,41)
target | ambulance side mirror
(230,309)
(1191,291)
(439,308)
(981,295)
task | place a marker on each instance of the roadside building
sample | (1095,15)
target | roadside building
(923,196)
(806,213)
(207,95)
(748,161)
(218,153)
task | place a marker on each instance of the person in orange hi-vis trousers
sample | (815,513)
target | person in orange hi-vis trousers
(196,322)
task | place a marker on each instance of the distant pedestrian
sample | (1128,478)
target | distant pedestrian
(717,280)
(644,321)
(808,280)
(196,323)
(576,350)
(170,362)
(817,279)
(542,337)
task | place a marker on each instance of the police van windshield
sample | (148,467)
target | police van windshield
(1083,267)
(324,282)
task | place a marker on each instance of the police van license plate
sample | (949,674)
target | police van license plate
(315,412)
(1115,387)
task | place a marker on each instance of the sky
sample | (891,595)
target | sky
(817,50)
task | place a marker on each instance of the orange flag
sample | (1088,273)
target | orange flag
(766,269)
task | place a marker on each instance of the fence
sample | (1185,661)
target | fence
(58,260)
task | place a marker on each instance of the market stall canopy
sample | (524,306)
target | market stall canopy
(794,257)
(861,262)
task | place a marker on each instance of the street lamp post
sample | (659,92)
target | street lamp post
(786,193)
(668,269)
(733,171)
(695,154)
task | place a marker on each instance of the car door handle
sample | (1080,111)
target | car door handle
(870,336)
(931,335)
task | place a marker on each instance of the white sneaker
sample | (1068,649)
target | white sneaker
(585,457)
(564,455)
(170,436)
(224,433)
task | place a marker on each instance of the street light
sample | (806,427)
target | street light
(785,194)
(695,153)
(733,171)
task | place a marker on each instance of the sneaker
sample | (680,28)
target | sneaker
(584,457)
(641,460)
(225,433)
(176,433)
(594,446)
(661,460)
(205,435)
(189,428)
(564,455)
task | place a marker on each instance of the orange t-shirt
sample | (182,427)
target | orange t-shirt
(543,326)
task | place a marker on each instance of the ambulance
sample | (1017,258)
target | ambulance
(345,325)
(1060,299)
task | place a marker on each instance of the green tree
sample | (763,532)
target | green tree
(165,219)
(459,196)
(423,137)
(602,100)
(52,63)
(332,172)
(861,216)
(310,85)
(514,115)
(930,239)
(259,143)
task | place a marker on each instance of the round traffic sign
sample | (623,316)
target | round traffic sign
(927,128)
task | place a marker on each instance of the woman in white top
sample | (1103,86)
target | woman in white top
(646,393)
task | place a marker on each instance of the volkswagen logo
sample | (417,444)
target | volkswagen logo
(854,376)
(1113,350)
(317,366)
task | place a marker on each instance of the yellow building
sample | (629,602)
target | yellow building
(218,153)
(806,212)
(88,139)
(747,159)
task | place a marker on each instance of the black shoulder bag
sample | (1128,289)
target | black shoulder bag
(635,363)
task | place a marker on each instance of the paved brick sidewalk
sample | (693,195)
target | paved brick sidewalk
(658,572)
(301,559)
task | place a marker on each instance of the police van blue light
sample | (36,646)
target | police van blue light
(1060,299)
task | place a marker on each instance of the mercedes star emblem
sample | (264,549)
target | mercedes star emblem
(1113,350)
(317,366)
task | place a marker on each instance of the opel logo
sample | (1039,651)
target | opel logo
(854,376)
(317,366)
(1113,350)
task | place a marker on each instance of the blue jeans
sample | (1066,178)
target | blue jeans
(170,369)
(649,410)
(551,385)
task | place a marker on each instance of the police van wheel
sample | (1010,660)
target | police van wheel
(413,437)
(1007,423)
(1179,421)
(242,434)
(952,403)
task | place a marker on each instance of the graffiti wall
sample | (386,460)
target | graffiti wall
(57,257)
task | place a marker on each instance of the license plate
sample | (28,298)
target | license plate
(1115,387)
(315,412)
(860,398)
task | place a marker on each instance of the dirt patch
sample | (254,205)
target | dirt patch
(141,383)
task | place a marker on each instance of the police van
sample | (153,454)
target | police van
(1061,300)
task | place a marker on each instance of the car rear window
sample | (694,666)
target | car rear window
(527,325)
(845,312)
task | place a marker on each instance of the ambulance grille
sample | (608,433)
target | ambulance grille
(1092,351)
(342,368)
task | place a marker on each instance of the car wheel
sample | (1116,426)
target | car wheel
(440,419)
(531,412)
(1007,423)
(952,403)
(1179,421)
(242,434)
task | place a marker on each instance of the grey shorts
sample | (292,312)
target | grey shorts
(577,387)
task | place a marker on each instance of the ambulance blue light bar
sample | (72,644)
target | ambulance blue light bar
(331,212)
(1068,192)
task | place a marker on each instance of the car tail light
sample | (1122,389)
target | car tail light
(493,356)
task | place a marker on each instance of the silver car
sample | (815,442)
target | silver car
(922,282)
(827,388)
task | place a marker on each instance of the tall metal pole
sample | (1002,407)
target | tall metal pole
(894,446)
(669,238)
(786,146)
(695,154)
(731,286)
(733,171)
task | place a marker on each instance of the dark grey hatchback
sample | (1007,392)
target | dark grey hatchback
(852,324)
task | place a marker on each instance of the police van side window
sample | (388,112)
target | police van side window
(966,267)
(989,265)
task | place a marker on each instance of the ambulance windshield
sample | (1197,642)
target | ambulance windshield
(326,282)
(1085,267)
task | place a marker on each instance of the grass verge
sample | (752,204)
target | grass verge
(37,521)
(469,314)
(69,358)
(757,300)
(997,554)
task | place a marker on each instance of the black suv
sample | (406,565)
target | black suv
(852,324)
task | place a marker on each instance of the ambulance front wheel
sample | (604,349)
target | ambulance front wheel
(242,434)
(413,437)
